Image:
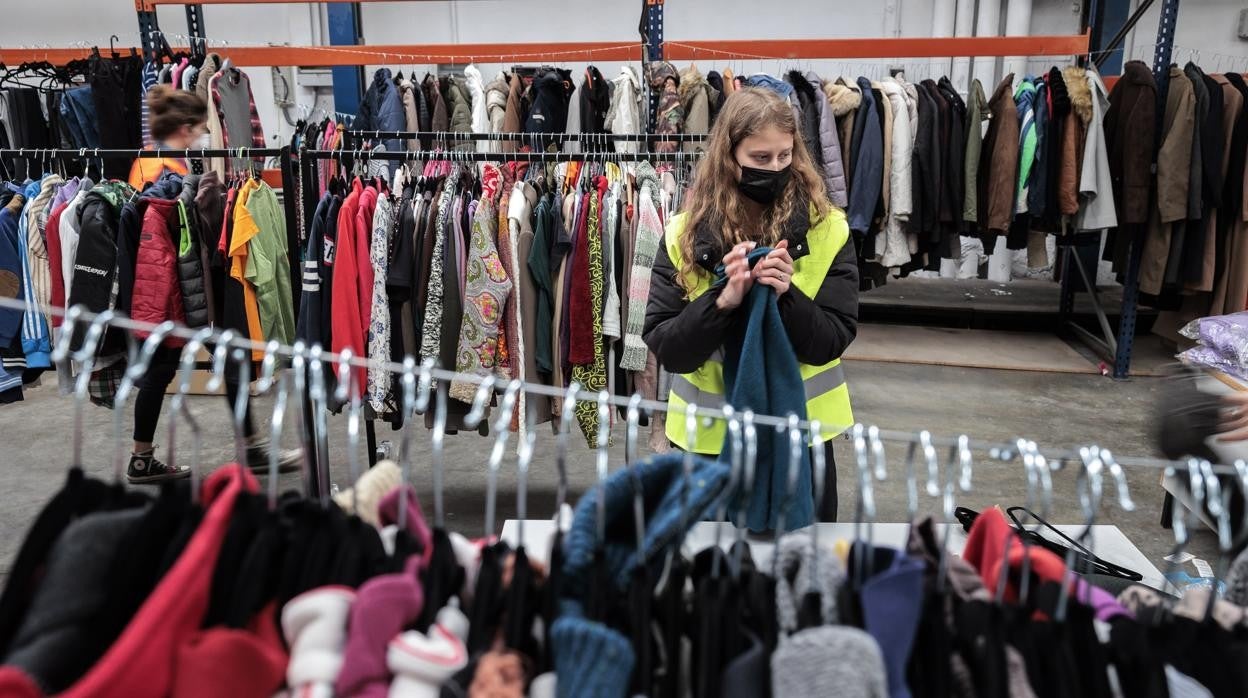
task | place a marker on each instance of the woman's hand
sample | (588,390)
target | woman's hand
(1234,425)
(776,269)
(737,273)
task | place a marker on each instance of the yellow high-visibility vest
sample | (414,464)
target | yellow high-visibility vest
(827,394)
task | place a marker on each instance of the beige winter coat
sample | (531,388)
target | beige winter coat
(1174,161)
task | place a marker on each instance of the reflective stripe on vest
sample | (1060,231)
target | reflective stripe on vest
(816,386)
(827,394)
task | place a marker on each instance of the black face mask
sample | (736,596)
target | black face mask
(764,186)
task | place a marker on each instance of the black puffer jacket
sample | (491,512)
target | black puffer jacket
(551,91)
(595,98)
(194,285)
(95,264)
(806,96)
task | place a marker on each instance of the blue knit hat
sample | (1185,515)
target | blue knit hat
(592,659)
(662,484)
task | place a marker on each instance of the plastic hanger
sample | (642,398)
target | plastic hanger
(219,356)
(820,465)
(501,431)
(632,417)
(691,432)
(435,451)
(1219,507)
(177,406)
(264,384)
(413,403)
(299,367)
(749,435)
(790,487)
(276,423)
(1089,487)
(864,511)
(734,481)
(136,370)
(959,454)
(86,357)
(319,398)
(348,392)
(524,457)
(568,414)
(601,465)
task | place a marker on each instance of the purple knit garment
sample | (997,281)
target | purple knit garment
(383,607)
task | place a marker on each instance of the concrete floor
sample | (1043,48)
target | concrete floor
(1054,409)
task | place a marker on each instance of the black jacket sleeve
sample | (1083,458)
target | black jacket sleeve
(822,327)
(682,334)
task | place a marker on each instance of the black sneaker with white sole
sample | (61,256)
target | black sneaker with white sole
(145,468)
(288,460)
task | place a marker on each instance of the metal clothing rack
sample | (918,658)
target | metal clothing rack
(96,153)
(520,136)
(418,381)
(307,156)
(473,156)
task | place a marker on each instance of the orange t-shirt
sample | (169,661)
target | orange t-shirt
(146,170)
(245,228)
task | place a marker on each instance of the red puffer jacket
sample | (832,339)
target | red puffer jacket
(156,293)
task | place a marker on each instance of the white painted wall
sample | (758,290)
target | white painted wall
(1207,25)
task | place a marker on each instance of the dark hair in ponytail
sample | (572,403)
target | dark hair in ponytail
(170,110)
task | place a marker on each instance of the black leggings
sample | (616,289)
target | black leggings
(828,507)
(151,393)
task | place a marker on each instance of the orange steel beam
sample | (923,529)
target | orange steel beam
(925,47)
(375,55)
(608,51)
(153,3)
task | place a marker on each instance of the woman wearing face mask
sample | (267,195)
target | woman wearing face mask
(177,120)
(755,186)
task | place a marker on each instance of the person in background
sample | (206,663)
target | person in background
(756,185)
(178,121)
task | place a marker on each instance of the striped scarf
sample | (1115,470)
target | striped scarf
(649,237)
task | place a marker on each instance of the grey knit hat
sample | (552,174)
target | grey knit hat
(797,562)
(830,660)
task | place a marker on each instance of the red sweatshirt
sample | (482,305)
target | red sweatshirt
(364,261)
(142,661)
(346,319)
(57,292)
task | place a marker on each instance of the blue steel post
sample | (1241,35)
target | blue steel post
(344,30)
(1131,285)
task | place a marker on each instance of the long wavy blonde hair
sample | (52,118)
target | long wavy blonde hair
(715,201)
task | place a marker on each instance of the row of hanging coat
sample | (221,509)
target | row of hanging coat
(89,103)
(232,118)
(536,102)
(1193,232)
(531,271)
(195,250)
(917,167)
(231,592)
(100,102)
